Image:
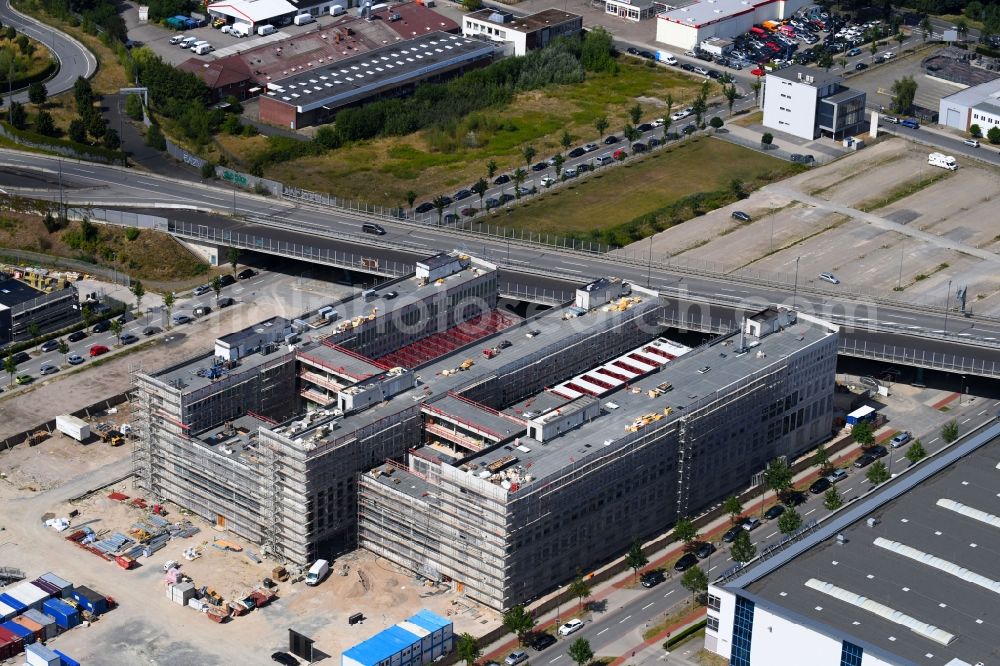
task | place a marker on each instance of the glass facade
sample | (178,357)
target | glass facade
(850,655)
(742,632)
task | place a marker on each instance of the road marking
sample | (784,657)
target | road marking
(423,237)
(572,263)
(934,440)
(849,490)
(646,606)
(624,619)
(900,458)
(556,659)
(770,535)
(713,568)
(967,420)
(981,413)
(602,631)
(810,511)
(668,593)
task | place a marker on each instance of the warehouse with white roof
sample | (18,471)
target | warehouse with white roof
(686,27)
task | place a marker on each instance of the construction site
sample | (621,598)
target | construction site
(467,445)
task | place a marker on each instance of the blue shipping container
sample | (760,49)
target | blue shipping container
(27,635)
(12,602)
(65,615)
(90,600)
(66,661)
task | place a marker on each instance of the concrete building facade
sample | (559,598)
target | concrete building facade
(23,306)
(978,105)
(808,103)
(521,34)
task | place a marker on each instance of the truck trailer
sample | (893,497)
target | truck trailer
(74,427)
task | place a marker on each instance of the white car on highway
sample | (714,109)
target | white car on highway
(682,114)
(570,627)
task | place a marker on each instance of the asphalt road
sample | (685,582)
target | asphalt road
(74,59)
(624,625)
(307,225)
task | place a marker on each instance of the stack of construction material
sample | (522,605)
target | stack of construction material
(182,593)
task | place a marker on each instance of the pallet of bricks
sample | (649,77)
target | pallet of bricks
(32,614)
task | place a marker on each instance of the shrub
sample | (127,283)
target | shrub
(131,233)
(975,131)
(133,107)
(154,138)
(994,135)
(208,170)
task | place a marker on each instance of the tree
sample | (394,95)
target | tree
(10,367)
(900,38)
(480,187)
(133,107)
(742,550)
(34,330)
(825,60)
(580,652)
(63,346)
(766,139)
(96,125)
(789,521)
(217,286)
(111,140)
(667,122)
(528,153)
(737,189)
(843,63)
(976,131)
(925,27)
(635,559)
(491,169)
(684,530)
(873,47)
(832,499)
(518,621)
(116,328)
(734,508)
(17,116)
(601,124)
(37,93)
(699,106)
(558,162)
(580,588)
(519,177)
(715,122)
(903,92)
(778,476)
(440,203)
(472,5)
(467,648)
(949,431)
(962,27)
(154,137)
(994,135)
(78,131)
(863,434)
(168,303)
(877,473)
(565,140)
(233,257)
(138,291)
(44,124)
(670,103)
(635,114)
(695,580)
(411,196)
(916,452)
(731,95)
(83,94)
(821,458)
(630,132)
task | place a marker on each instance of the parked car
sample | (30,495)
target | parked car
(129,338)
(284,658)
(202,289)
(246,274)
(912,124)
(853,52)
(227,280)
(590,147)
(74,359)
(901,439)
(539,166)
(570,627)
(547,181)
(23,379)
(541,640)
(740,215)
(576,152)
(829,277)
(491,202)
(836,476)
(686,562)
(502,179)
(878,451)
(462,194)
(48,368)
(750,524)
(610,140)
(76,336)
(645,127)
(892,120)
(151,330)
(704,550)
(21,357)
(225,302)
(101,326)
(639,147)
(971,142)
(820,485)
(50,345)
(730,535)
(802,159)
(689,129)
(516,657)
(652,578)
(774,512)
(181,318)
(425,207)
(864,460)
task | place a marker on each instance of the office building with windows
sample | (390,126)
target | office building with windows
(809,103)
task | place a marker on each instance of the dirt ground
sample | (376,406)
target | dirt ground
(32,469)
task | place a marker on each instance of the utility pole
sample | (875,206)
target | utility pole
(947,303)
(899,282)
(795,293)
(649,270)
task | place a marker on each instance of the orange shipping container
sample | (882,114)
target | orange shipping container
(35,628)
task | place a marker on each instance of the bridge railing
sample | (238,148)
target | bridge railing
(534,294)
(920,358)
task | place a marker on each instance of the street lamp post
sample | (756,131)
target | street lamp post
(947,303)
(795,292)
(649,270)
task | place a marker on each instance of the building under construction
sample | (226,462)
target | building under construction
(421,422)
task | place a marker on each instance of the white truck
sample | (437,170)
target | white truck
(317,572)
(73,427)
(303,19)
(944,161)
(202,49)
(240,30)
(266,29)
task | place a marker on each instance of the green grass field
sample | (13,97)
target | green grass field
(607,205)
(440,160)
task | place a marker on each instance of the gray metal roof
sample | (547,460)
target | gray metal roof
(252,332)
(192,374)
(820,79)
(874,563)
(711,11)
(975,94)
(360,76)
(844,95)
(464,410)
(988,106)
(14,292)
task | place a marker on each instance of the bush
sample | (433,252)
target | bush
(767,139)
(994,135)
(716,122)
(131,233)
(207,170)
(975,131)
(133,107)
(154,138)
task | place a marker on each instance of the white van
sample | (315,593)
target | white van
(177,39)
(240,30)
(194,47)
(187,42)
(317,572)
(266,29)
(336,10)
(303,19)
(202,49)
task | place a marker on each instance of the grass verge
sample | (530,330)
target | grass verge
(903,191)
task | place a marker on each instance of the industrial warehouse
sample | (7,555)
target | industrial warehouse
(390,420)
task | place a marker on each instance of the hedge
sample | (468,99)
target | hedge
(94,153)
(693,629)
(22,83)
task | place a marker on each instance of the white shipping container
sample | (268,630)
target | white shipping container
(28,594)
(36,654)
(6,612)
(73,427)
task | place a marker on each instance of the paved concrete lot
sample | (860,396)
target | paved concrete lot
(877,81)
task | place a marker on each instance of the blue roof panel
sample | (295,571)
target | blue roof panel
(382,645)
(429,620)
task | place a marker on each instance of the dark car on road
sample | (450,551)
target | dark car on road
(774,512)
(129,338)
(151,330)
(879,451)
(687,67)
(50,345)
(21,357)
(860,66)
(101,326)
(505,197)
(686,562)
(645,127)
(731,533)
(462,194)
(76,336)
(689,129)
(652,578)
(647,54)
(864,460)
(539,166)
(541,640)
(502,179)
(632,50)
(704,550)
(225,302)
(577,152)
(246,274)
(610,140)
(820,485)
(740,215)
(425,207)
(227,280)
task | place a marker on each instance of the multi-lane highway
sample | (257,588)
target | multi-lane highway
(74,58)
